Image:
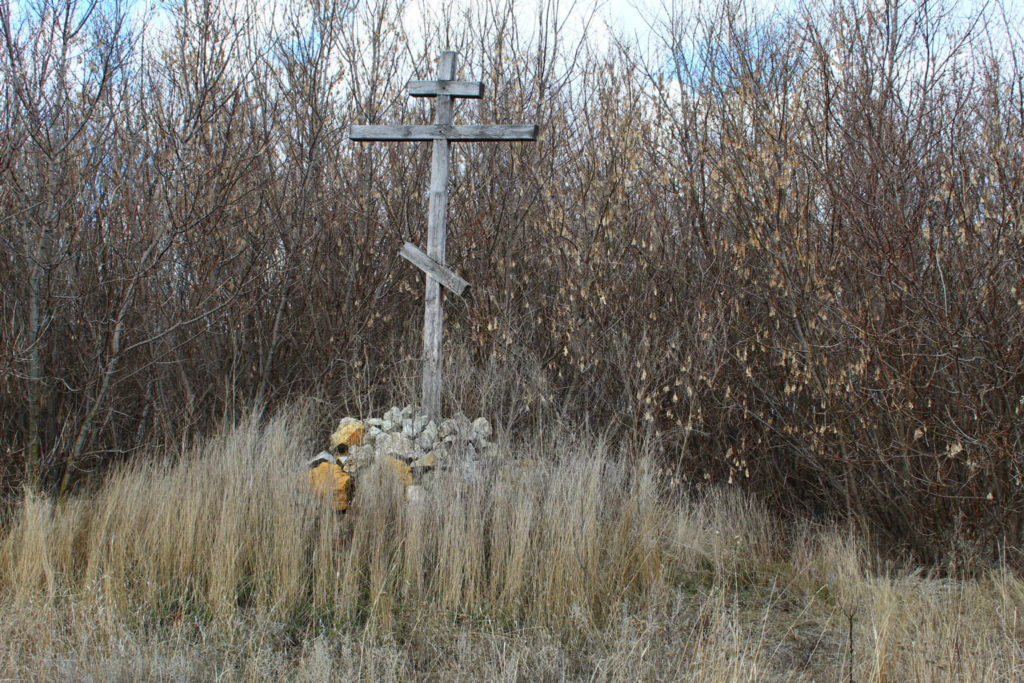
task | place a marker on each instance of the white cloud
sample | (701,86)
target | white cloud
(596,21)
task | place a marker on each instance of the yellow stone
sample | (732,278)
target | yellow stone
(401,470)
(329,480)
(348,434)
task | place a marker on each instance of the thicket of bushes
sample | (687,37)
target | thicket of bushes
(786,248)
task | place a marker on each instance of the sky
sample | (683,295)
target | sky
(633,18)
(610,16)
(630,18)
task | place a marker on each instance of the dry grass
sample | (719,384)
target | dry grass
(563,562)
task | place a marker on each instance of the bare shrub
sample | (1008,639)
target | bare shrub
(785,249)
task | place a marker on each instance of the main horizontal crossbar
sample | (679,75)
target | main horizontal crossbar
(496,132)
(474,89)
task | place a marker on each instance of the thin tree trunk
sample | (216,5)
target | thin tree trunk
(37,364)
(36,377)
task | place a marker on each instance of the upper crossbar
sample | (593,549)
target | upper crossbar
(473,89)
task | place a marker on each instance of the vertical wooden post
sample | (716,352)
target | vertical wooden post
(436,235)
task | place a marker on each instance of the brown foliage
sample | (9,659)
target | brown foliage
(787,250)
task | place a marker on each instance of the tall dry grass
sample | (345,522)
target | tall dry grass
(562,560)
(228,528)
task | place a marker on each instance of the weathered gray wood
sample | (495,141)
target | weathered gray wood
(442,274)
(486,133)
(472,89)
(442,134)
(433,316)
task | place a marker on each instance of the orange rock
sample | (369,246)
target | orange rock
(349,433)
(401,470)
(329,480)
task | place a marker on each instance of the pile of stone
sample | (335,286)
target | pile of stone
(411,445)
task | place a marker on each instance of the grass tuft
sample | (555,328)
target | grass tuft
(544,564)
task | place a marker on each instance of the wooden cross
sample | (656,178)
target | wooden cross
(443,133)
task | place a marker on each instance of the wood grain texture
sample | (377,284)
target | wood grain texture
(442,133)
(433,316)
(472,89)
(442,274)
(482,133)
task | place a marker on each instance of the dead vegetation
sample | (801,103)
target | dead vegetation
(748,318)
(782,247)
(570,564)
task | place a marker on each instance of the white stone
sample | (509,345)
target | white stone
(321,457)
(415,494)
(345,421)
(481,428)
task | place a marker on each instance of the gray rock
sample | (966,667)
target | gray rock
(456,446)
(481,429)
(447,428)
(428,437)
(398,446)
(429,461)
(360,451)
(469,469)
(359,457)
(419,423)
(392,416)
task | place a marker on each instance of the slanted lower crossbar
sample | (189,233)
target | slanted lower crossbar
(442,274)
